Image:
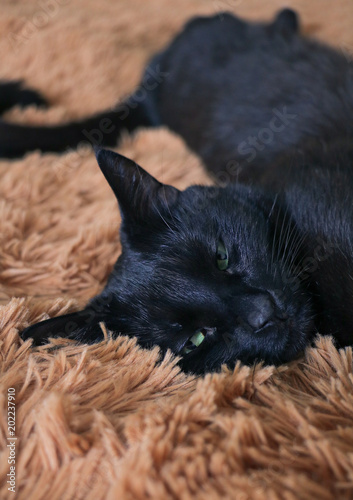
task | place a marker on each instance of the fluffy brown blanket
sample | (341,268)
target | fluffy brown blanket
(109,421)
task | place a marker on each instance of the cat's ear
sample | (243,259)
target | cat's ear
(140,195)
(286,22)
(81,325)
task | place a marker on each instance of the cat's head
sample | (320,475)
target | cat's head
(207,272)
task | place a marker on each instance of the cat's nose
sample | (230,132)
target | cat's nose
(262,310)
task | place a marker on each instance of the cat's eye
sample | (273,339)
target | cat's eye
(194,342)
(222,256)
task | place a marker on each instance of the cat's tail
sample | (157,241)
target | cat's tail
(14,93)
(102,129)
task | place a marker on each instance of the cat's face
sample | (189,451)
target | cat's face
(207,273)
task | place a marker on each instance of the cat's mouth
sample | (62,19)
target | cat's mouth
(196,340)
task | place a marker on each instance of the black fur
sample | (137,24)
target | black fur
(269,112)
(13,93)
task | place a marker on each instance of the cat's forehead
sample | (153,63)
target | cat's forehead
(217,208)
(203,217)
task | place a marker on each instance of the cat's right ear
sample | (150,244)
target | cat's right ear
(140,196)
(286,22)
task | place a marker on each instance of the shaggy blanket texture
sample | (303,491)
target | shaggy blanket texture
(113,421)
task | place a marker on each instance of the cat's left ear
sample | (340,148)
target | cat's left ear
(81,325)
(286,22)
(140,195)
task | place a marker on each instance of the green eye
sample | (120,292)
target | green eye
(222,256)
(197,339)
(194,342)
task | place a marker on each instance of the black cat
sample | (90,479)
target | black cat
(252,268)
(237,92)
(205,272)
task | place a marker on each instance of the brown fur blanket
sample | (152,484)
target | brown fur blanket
(109,421)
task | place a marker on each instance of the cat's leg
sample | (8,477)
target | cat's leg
(13,93)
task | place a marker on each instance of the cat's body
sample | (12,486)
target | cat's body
(269,113)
